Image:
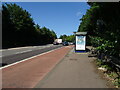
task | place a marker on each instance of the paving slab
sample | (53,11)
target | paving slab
(76,70)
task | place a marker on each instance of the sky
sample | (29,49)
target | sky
(61,17)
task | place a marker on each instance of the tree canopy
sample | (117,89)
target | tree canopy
(19,28)
(101,22)
(69,38)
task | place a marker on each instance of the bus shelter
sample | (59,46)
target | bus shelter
(80,41)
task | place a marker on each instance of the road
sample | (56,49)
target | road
(17,50)
(28,73)
(13,55)
(59,68)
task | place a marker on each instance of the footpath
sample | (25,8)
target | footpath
(75,70)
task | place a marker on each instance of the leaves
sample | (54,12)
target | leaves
(70,38)
(101,22)
(19,28)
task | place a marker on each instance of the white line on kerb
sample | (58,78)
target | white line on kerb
(28,58)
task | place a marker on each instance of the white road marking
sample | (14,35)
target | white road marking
(1,54)
(23,52)
(15,48)
(18,52)
(25,47)
(28,58)
(68,46)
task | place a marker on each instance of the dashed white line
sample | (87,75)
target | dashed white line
(28,58)
(23,52)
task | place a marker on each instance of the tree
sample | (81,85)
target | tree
(19,28)
(8,32)
(63,37)
(69,38)
(48,35)
(100,23)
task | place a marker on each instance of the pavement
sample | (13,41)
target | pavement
(75,70)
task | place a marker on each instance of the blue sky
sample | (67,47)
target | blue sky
(62,17)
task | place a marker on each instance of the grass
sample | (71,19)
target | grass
(111,72)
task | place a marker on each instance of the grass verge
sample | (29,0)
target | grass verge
(110,71)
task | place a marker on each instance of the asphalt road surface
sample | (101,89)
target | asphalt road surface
(17,50)
(28,73)
(16,54)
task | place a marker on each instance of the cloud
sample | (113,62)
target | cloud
(79,14)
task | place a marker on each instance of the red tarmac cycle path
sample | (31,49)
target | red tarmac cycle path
(28,73)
